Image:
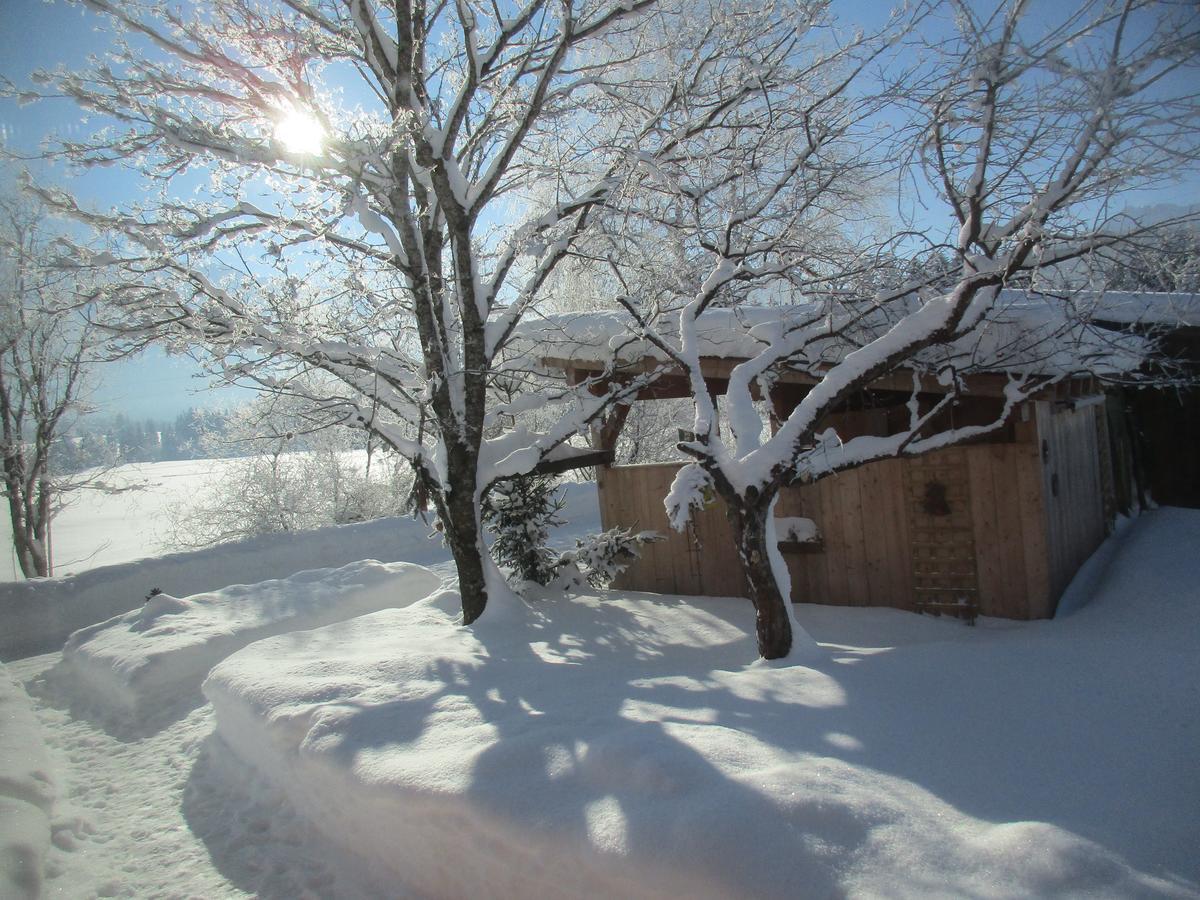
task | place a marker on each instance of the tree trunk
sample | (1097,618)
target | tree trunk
(463,537)
(39,560)
(30,552)
(41,527)
(460,521)
(773,625)
(29,540)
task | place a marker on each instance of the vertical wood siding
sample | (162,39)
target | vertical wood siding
(880,546)
(1071,488)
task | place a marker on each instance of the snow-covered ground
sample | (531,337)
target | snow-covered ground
(122,517)
(27,793)
(625,745)
(125,514)
(150,656)
(39,614)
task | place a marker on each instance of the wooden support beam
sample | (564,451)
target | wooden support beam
(605,437)
(574,461)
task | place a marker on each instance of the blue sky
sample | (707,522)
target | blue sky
(35,34)
(157,386)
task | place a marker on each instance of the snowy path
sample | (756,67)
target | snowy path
(168,815)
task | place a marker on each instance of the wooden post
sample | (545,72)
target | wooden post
(605,437)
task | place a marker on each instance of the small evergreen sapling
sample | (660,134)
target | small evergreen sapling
(520,513)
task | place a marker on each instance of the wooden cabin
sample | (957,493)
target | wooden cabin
(996,527)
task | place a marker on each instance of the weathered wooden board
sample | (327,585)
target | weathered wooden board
(1009,528)
(941,535)
(1072,489)
(986,524)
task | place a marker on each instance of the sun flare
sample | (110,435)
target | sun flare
(300,133)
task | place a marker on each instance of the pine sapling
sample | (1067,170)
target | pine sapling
(520,513)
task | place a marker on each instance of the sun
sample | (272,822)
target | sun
(300,133)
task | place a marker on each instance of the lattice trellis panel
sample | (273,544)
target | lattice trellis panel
(941,539)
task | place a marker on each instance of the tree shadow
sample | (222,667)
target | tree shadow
(570,764)
(603,732)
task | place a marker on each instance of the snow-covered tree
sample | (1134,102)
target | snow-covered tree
(294,468)
(1161,260)
(599,558)
(390,184)
(1025,127)
(47,347)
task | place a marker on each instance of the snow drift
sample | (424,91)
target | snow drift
(162,651)
(623,746)
(40,614)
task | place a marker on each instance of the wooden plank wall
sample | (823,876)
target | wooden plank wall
(1071,488)
(865,558)
(702,560)
(941,520)
(1012,564)
(868,524)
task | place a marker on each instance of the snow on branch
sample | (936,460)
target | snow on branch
(691,489)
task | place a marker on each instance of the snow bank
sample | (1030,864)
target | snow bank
(162,651)
(26,795)
(39,614)
(798,529)
(625,746)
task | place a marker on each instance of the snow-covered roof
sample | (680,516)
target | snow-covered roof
(1035,334)
(1164,310)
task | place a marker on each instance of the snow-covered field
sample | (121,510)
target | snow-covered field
(122,518)
(629,745)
